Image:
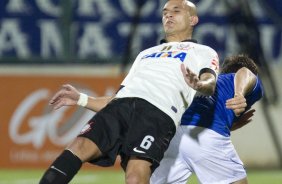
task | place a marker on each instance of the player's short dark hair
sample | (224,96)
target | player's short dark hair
(233,63)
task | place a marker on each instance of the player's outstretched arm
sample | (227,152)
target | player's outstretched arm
(69,96)
(96,104)
(205,84)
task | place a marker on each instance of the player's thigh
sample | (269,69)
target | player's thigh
(138,170)
(84,148)
(106,129)
(170,171)
(212,157)
(242,181)
(149,134)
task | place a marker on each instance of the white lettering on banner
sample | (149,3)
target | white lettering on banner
(16,6)
(36,136)
(216,32)
(130,7)
(226,36)
(104,8)
(24,155)
(93,41)
(46,125)
(231,41)
(49,155)
(60,136)
(215,8)
(32,156)
(49,8)
(51,39)
(11,38)
(221,8)
(268,34)
(146,31)
(257,10)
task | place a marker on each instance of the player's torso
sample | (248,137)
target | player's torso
(158,78)
(210,111)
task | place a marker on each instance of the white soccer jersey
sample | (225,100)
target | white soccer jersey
(156,75)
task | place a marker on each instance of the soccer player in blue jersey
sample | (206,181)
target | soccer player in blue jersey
(202,143)
(140,121)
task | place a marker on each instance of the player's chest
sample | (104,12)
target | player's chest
(169,52)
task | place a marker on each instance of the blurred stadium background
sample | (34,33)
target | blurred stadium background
(91,44)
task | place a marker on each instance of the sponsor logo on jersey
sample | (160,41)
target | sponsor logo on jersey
(170,54)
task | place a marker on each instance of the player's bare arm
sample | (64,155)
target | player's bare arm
(244,82)
(96,104)
(70,96)
(205,84)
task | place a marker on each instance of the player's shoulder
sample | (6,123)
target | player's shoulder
(225,81)
(226,76)
(259,86)
(204,48)
(153,48)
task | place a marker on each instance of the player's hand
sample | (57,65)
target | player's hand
(191,78)
(243,120)
(237,104)
(67,96)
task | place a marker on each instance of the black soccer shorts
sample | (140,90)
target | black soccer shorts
(130,127)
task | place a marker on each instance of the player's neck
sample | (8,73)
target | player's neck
(177,37)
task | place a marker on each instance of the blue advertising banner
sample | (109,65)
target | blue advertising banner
(94,30)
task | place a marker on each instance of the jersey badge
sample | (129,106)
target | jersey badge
(183,46)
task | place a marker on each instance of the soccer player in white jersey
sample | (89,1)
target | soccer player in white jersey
(140,121)
(69,96)
(202,143)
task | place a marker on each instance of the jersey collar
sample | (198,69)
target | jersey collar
(188,40)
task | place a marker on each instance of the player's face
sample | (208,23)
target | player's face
(176,17)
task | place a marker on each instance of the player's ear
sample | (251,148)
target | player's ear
(194,20)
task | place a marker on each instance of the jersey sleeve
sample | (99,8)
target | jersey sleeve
(209,61)
(256,94)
